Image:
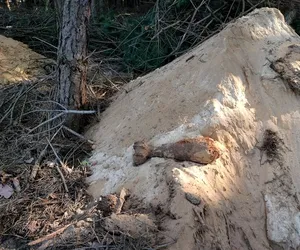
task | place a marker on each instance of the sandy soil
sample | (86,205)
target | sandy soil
(18,62)
(225,89)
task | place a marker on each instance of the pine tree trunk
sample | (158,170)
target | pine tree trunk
(7,4)
(72,53)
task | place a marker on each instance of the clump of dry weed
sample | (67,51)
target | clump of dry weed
(272,146)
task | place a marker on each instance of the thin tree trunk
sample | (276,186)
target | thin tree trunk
(72,53)
(7,4)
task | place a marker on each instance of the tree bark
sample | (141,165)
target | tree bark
(72,53)
(7,4)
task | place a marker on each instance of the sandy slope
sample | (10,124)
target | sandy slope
(18,62)
(225,89)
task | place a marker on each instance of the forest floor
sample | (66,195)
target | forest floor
(41,199)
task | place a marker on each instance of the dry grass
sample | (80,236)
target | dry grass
(42,205)
(272,146)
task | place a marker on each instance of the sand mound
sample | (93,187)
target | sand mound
(18,62)
(232,89)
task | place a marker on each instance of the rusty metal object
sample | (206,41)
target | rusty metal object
(200,150)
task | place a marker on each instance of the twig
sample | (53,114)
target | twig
(57,167)
(199,217)
(78,135)
(111,82)
(93,248)
(10,109)
(95,234)
(37,163)
(120,201)
(41,40)
(49,236)
(188,27)
(53,102)
(47,121)
(63,112)
(164,28)
(20,94)
(56,155)
(23,108)
(90,55)
(81,112)
(50,128)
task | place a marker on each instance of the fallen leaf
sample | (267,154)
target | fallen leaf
(6,191)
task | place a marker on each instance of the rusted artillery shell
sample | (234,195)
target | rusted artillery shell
(200,150)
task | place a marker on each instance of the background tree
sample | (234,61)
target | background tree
(72,54)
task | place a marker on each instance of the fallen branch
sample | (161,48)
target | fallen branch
(120,201)
(37,163)
(57,167)
(63,112)
(78,135)
(43,41)
(81,112)
(49,236)
(47,121)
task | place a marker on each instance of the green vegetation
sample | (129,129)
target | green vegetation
(130,39)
